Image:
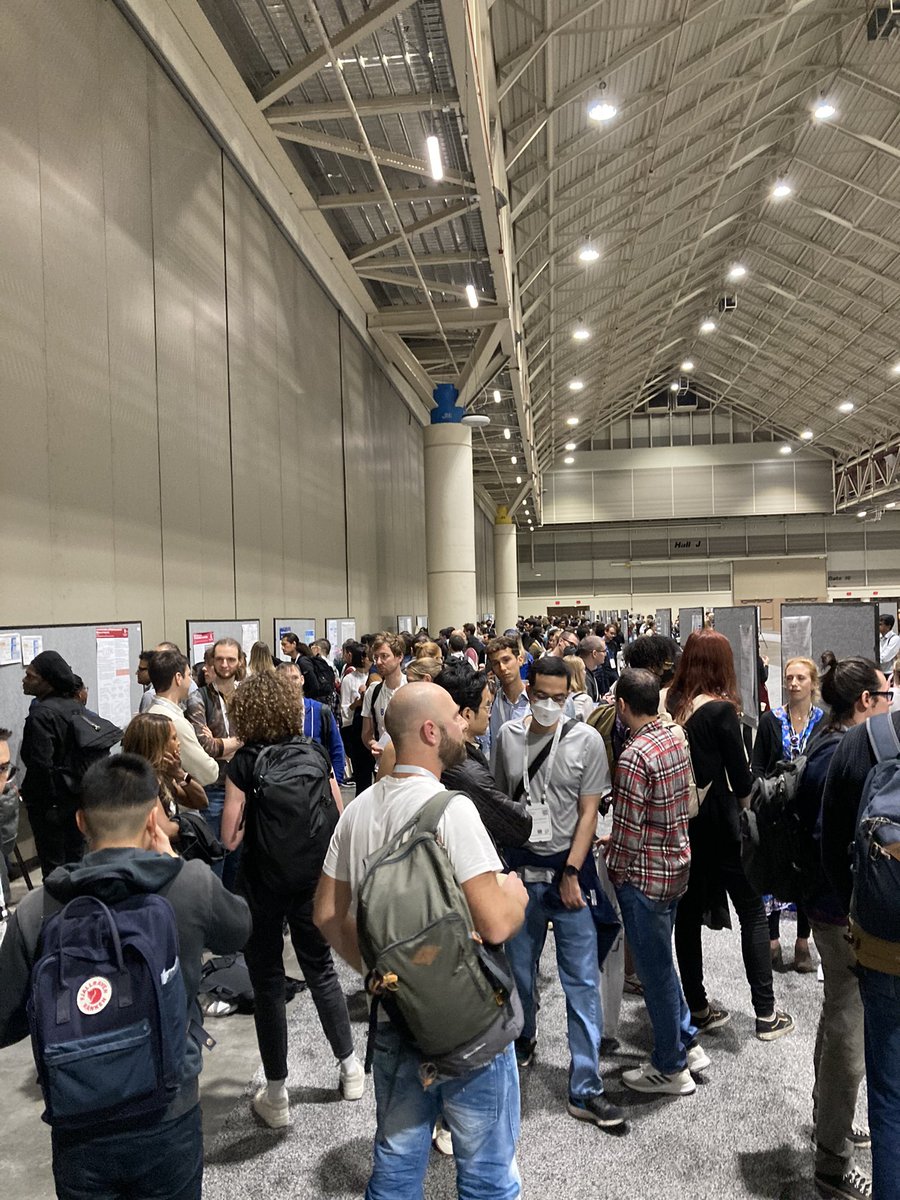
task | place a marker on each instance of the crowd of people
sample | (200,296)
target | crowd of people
(597,777)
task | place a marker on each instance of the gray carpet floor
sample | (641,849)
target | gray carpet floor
(744,1133)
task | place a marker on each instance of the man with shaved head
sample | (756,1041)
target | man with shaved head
(481,1109)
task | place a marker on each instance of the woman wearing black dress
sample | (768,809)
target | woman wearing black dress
(704,699)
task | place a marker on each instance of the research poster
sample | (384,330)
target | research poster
(114,674)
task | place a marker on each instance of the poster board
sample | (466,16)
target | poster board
(808,630)
(421,622)
(338,630)
(100,661)
(207,632)
(740,626)
(689,621)
(304,627)
(405,624)
(664,621)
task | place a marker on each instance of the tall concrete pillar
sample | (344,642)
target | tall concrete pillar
(506,572)
(449,514)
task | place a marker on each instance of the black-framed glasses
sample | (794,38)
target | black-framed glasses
(560,700)
(8,769)
(888,695)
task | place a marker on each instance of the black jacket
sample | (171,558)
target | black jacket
(508,824)
(43,751)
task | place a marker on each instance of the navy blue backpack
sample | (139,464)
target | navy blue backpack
(108,1011)
(875,906)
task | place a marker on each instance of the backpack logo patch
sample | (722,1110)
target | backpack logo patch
(94,995)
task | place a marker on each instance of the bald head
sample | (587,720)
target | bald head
(425,726)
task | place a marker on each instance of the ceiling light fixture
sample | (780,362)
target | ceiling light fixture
(588,254)
(507,434)
(513,460)
(737,272)
(824,110)
(807,435)
(471,295)
(571,420)
(687,365)
(518,479)
(781,189)
(893,504)
(786,449)
(576,385)
(602,110)
(433,146)
(496,395)
(895,369)
(570,445)
(846,406)
(673,386)
(568,460)
(862,514)
(708,326)
(580,334)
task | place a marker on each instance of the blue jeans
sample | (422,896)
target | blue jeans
(881,1006)
(481,1111)
(153,1162)
(648,927)
(227,869)
(579,974)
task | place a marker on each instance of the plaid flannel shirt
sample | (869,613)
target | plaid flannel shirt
(649,846)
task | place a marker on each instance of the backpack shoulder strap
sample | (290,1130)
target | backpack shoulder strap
(883,737)
(375,695)
(432,811)
(540,759)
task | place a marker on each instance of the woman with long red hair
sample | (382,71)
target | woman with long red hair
(703,697)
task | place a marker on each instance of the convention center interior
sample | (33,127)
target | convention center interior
(545,355)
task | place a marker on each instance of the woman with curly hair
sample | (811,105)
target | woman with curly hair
(266,711)
(703,697)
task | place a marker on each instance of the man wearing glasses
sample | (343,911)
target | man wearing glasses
(557,770)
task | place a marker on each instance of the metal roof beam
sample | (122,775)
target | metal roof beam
(375,106)
(410,318)
(508,72)
(394,239)
(378,275)
(369,22)
(437,191)
(350,149)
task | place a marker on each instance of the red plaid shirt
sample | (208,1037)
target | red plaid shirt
(649,847)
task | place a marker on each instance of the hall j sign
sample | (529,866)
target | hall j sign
(688,545)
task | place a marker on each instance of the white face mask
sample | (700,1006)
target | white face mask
(545,712)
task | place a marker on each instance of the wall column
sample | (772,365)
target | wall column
(449,514)
(506,572)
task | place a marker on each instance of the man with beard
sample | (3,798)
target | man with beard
(481,1108)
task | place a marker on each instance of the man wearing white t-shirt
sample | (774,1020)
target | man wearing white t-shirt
(387,656)
(481,1109)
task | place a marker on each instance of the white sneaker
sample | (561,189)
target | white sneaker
(442,1140)
(353,1079)
(276,1116)
(697,1058)
(646,1078)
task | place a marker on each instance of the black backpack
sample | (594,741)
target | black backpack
(320,682)
(89,737)
(291,815)
(773,840)
(228,978)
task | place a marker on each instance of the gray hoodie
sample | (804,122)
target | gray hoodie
(207,916)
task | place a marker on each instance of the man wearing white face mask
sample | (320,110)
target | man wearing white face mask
(557,768)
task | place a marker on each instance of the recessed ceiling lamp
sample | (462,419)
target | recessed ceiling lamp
(580,334)
(737,272)
(602,110)
(571,421)
(780,190)
(433,146)
(570,445)
(576,385)
(507,434)
(786,449)
(496,395)
(568,460)
(687,365)
(824,110)
(846,406)
(513,460)
(673,386)
(471,295)
(807,435)
(588,254)
(707,326)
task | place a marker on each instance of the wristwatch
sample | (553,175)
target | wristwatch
(568,869)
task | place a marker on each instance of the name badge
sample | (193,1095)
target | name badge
(541,825)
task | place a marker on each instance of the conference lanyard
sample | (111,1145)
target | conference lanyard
(408,769)
(541,824)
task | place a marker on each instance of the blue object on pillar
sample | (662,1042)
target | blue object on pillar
(446,411)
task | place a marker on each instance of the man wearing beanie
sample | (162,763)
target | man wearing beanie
(51,807)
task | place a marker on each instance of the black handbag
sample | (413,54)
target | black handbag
(196,839)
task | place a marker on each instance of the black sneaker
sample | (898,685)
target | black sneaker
(715,1018)
(852,1185)
(525,1051)
(596,1109)
(775,1027)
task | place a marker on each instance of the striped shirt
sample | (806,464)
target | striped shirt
(649,846)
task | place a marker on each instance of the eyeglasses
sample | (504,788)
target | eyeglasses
(8,769)
(560,700)
(888,695)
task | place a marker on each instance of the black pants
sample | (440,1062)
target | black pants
(360,756)
(751,914)
(264,957)
(56,836)
(803,927)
